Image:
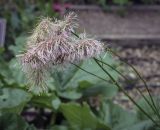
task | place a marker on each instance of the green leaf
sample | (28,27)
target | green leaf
(44,100)
(19,45)
(18,75)
(84,85)
(116,116)
(13,100)
(91,66)
(70,94)
(105,89)
(5,72)
(70,82)
(68,75)
(11,71)
(49,101)
(56,103)
(10,121)
(81,117)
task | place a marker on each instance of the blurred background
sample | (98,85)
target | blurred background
(130,27)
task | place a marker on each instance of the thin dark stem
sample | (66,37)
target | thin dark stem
(116,83)
(75,34)
(70,77)
(89,72)
(129,82)
(121,88)
(138,74)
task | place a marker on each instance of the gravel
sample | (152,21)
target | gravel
(146,60)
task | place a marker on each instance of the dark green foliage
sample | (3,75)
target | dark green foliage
(13,100)
(83,119)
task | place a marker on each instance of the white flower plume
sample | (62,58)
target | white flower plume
(51,44)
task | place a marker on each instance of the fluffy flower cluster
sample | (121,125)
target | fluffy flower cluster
(53,43)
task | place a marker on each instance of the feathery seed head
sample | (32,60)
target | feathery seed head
(44,30)
(88,47)
(52,44)
(69,23)
(37,80)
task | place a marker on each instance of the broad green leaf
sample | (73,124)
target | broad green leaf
(11,70)
(47,101)
(18,75)
(12,99)
(19,45)
(44,100)
(10,121)
(70,94)
(68,74)
(56,103)
(6,72)
(105,89)
(91,66)
(116,116)
(73,79)
(81,117)
(84,85)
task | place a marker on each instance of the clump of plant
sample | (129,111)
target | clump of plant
(55,44)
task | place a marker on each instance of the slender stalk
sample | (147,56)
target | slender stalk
(138,74)
(89,72)
(70,78)
(154,110)
(116,83)
(121,88)
(75,34)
